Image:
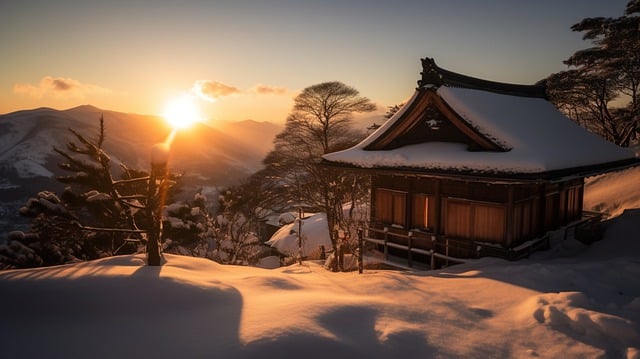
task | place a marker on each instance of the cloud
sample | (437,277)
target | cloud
(212,90)
(269,90)
(59,87)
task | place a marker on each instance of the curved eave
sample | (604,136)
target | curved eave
(493,177)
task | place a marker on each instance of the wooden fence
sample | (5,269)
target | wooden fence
(413,243)
(440,250)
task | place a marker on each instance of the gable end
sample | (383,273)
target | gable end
(430,119)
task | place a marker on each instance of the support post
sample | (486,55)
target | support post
(409,246)
(300,236)
(360,250)
(437,208)
(446,251)
(433,251)
(340,251)
(510,214)
(386,250)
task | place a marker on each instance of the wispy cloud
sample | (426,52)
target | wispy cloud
(268,90)
(212,90)
(59,87)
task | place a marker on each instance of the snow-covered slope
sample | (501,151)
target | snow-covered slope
(574,301)
(612,193)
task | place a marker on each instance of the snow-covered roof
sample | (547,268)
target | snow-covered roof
(532,135)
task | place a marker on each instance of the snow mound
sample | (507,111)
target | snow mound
(574,314)
(286,218)
(30,168)
(315,233)
(118,308)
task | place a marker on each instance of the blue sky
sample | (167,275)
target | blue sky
(133,56)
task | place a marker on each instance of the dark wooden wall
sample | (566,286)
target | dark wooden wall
(503,213)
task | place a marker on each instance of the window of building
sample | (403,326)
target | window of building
(391,207)
(473,220)
(574,210)
(420,211)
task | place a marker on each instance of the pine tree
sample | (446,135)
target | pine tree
(237,238)
(189,228)
(95,216)
(601,77)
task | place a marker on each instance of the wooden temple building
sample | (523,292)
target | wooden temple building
(470,167)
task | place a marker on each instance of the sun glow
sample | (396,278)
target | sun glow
(181,112)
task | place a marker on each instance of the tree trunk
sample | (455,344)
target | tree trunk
(155,199)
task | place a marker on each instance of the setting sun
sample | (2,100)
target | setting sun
(181,112)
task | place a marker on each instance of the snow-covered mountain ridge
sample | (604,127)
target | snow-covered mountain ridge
(27,138)
(207,156)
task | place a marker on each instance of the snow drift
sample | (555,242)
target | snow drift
(572,301)
(315,233)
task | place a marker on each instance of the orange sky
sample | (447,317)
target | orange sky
(252,57)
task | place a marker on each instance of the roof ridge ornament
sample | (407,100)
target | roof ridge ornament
(430,74)
(434,76)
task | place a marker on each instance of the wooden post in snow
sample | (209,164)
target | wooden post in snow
(300,235)
(155,200)
(360,250)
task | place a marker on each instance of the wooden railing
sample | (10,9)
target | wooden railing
(442,250)
(413,242)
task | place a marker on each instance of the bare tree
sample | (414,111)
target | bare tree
(321,122)
(324,110)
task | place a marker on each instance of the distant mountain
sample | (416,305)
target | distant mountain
(251,134)
(206,155)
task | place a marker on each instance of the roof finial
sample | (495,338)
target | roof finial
(430,74)
(433,77)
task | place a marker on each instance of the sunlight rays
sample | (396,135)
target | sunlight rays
(182,112)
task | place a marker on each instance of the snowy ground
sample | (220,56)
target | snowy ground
(572,301)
